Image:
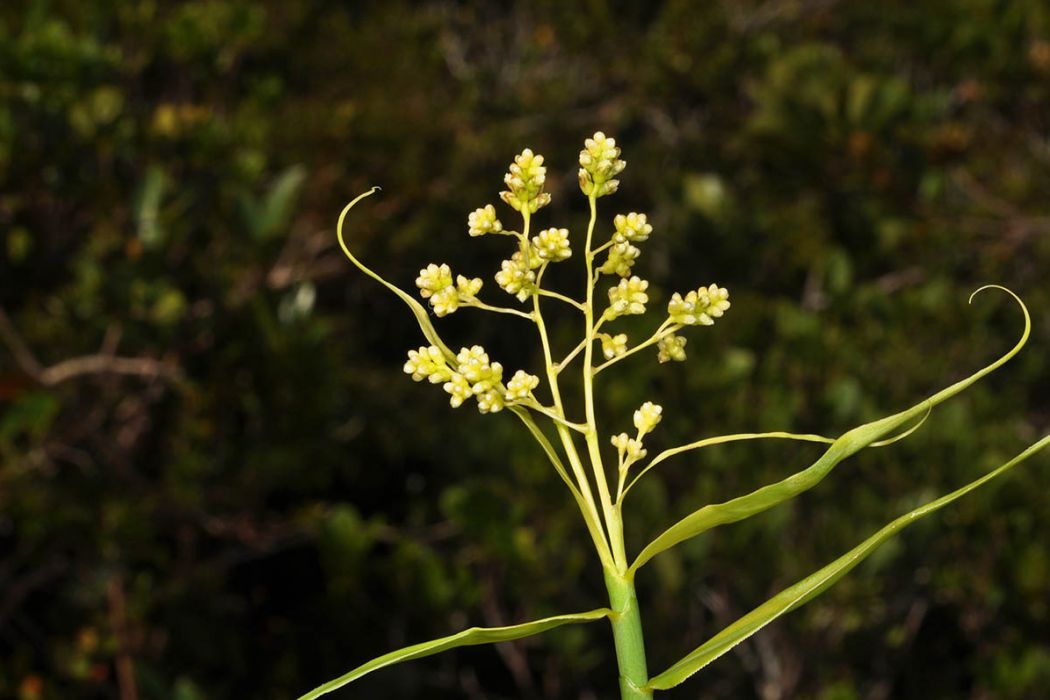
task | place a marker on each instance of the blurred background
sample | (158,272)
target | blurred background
(216,481)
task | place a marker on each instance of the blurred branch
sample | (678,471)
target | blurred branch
(100,363)
(118,621)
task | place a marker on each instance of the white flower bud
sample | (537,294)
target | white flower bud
(490,402)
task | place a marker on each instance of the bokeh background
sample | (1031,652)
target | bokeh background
(216,482)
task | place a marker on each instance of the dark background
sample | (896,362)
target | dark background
(216,482)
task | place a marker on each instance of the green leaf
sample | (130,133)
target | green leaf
(813,585)
(422,317)
(147,213)
(271,213)
(469,637)
(847,444)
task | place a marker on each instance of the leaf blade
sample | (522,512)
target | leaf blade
(813,585)
(468,637)
(847,444)
(422,317)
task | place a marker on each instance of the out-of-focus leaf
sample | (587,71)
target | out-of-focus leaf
(269,215)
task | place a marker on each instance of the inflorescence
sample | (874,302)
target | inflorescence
(471,374)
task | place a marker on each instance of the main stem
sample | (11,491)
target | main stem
(627,634)
(626,619)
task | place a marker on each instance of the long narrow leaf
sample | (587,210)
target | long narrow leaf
(847,444)
(469,637)
(815,584)
(422,317)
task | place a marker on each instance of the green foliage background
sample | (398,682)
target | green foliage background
(293,504)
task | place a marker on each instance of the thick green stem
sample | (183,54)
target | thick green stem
(627,633)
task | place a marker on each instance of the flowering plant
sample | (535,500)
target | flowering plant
(471,374)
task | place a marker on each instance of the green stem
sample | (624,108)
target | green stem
(627,634)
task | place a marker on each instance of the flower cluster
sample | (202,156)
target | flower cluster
(613,345)
(647,417)
(552,245)
(428,363)
(670,348)
(516,275)
(435,283)
(621,259)
(599,164)
(474,375)
(482,221)
(525,179)
(699,308)
(630,449)
(631,227)
(627,298)
(521,385)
